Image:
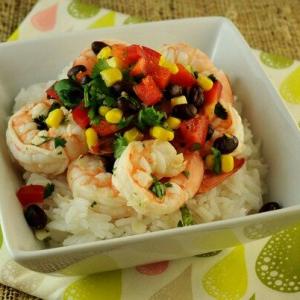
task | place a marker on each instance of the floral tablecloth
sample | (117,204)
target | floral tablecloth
(264,269)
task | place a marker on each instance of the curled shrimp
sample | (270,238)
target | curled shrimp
(142,163)
(200,62)
(34,149)
(88,179)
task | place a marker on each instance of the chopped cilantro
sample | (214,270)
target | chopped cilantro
(217,160)
(149,116)
(98,67)
(220,111)
(196,146)
(158,188)
(69,92)
(125,122)
(186,217)
(109,101)
(120,144)
(40,122)
(186,173)
(93,116)
(49,189)
(59,142)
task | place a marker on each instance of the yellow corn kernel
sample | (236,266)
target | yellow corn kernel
(189,68)
(161,133)
(133,135)
(173,122)
(227,163)
(163,62)
(205,83)
(209,161)
(111,75)
(91,137)
(112,62)
(104,53)
(103,110)
(54,118)
(114,116)
(178,101)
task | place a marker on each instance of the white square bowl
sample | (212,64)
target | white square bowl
(25,63)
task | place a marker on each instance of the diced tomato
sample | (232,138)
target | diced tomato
(151,54)
(194,131)
(140,68)
(147,91)
(211,180)
(161,76)
(213,95)
(105,129)
(51,93)
(80,116)
(28,194)
(126,55)
(183,77)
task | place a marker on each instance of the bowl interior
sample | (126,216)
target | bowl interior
(26,63)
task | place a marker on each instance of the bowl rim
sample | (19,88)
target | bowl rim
(126,240)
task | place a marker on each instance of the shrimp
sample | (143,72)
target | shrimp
(35,149)
(88,179)
(142,163)
(200,62)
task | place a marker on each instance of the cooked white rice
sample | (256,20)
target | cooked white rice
(72,221)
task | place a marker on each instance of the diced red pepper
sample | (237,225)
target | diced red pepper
(29,194)
(80,116)
(213,95)
(51,93)
(105,129)
(211,180)
(194,131)
(183,77)
(147,91)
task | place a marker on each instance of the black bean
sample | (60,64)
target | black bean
(122,86)
(226,143)
(109,162)
(270,206)
(86,79)
(126,105)
(184,111)
(75,70)
(210,132)
(174,90)
(195,96)
(212,77)
(35,217)
(220,111)
(97,46)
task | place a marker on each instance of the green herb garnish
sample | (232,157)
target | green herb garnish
(98,67)
(220,111)
(49,189)
(119,146)
(94,116)
(59,142)
(158,188)
(186,173)
(149,116)
(69,92)
(186,217)
(125,122)
(217,160)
